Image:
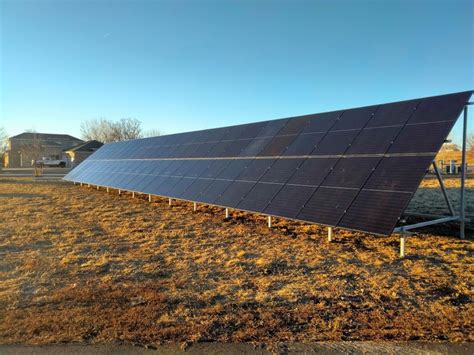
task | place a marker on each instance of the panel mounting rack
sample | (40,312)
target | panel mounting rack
(355,169)
(461,216)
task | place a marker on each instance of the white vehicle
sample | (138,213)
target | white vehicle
(47,161)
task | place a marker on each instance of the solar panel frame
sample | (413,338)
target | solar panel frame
(306,154)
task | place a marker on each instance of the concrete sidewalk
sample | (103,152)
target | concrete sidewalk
(363,347)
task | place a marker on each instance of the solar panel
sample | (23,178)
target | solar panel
(327,205)
(354,168)
(289,200)
(259,197)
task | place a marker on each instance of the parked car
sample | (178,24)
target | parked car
(47,161)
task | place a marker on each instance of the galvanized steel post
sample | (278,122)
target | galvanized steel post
(402,244)
(463,174)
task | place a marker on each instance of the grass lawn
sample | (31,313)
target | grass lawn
(81,265)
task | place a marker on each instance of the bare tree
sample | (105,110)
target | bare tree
(33,150)
(151,133)
(127,128)
(3,145)
(470,141)
(3,140)
(107,131)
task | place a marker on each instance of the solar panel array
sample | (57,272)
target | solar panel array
(355,168)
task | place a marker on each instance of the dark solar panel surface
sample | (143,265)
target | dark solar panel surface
(355,168)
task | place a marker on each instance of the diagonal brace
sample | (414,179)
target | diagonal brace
(443,189)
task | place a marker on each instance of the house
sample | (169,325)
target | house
(28,146)
(80,152)
(446,157)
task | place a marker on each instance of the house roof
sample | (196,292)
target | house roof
(88,146)
(45,136)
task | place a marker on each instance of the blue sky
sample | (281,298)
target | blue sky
(187,65)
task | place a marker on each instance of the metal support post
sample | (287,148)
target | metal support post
(226,213)
(269,221)
(402,244)
(443,189)
(195,207)
(463,174)
(329,234)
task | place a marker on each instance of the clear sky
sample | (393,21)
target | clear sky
(187,65)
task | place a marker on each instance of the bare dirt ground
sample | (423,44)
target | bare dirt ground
(82,266)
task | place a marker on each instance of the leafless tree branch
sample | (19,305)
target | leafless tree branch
(470,141)
(107,131)
(151,133)
(3,140)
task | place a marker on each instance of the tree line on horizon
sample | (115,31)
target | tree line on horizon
(108,131)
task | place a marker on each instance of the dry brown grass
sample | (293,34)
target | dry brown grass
(429,198)
(80,265)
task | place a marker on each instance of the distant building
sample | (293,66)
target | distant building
(80,152)
(28,146)
(450,154)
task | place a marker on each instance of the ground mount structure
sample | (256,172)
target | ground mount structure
(355,169)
